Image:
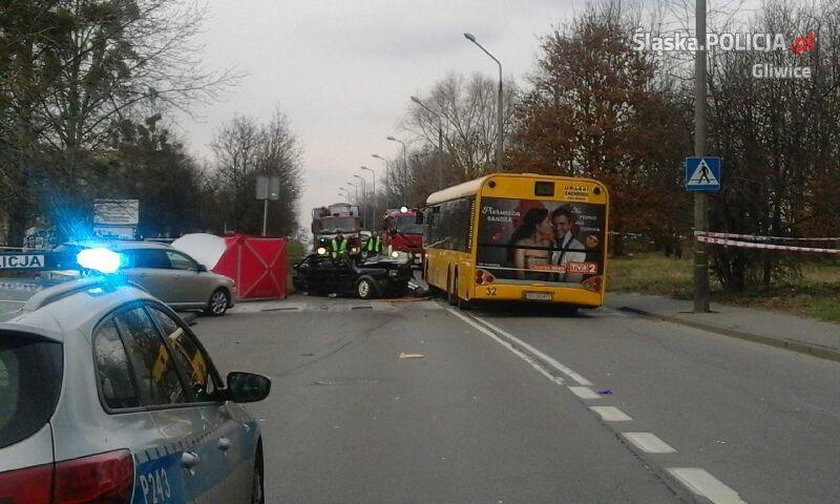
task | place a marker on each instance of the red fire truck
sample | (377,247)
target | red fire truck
(403,233)
(328,221)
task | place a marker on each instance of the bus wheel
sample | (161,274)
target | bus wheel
(459,303)
(450,287)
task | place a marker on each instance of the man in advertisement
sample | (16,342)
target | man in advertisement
(568,248)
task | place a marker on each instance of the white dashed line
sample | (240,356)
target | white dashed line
(648,443)
(696,480)
(548,360)
(527,358)
(584,392)
(702,483)
(611,414)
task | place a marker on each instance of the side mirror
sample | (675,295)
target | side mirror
(247,387)
(202,268)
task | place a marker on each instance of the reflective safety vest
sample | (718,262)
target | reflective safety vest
(374,244)
(339,248)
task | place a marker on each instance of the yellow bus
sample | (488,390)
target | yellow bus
(518,237)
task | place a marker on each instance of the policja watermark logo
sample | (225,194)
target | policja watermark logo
(799,45)
(755,42)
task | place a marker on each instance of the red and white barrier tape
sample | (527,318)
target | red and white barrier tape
(761,238)
(736,243)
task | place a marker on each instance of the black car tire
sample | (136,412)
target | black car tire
(257,481)
(218,303)
(365,288)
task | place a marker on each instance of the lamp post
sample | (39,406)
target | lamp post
(346,192)
(405,157)
(440,142)
(387,178)
(500,120)
(354,186)
(373,177)
(364,190)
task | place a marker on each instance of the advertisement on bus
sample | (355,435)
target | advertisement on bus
(546,241)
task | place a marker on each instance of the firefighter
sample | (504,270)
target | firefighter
(338,246)
(373,245)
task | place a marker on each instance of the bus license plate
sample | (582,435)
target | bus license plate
(538,296)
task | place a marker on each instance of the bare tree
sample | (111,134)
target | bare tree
(467,108)
(244,150)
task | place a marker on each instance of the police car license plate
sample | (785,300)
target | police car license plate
(538,296)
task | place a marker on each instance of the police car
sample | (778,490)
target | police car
(106,395)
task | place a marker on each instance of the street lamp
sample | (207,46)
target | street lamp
(387,178)
(373,211)
(440,141)
(354,186)
(346,192)
(499,126)
(405,157)
(364,191)
(364,184)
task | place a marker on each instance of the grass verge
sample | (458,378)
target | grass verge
(816,294)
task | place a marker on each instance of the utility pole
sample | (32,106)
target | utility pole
(701,210)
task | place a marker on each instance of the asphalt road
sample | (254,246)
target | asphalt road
(403,402)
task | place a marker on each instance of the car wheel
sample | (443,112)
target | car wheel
(257,484)
(365,288)
(218,304)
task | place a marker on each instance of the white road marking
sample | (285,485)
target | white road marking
(527,358)
(611,414)
(702,483)
(585,392)
(648,443)
(548,360)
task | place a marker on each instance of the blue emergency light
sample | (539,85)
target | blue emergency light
(99,259)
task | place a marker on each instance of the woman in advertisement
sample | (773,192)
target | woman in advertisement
(530,245)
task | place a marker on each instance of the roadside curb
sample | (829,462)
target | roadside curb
(802,347)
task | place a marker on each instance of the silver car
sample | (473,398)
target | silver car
(176,278)
(107,396)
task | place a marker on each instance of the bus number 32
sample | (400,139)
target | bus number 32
(491,291)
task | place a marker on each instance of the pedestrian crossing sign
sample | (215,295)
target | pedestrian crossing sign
(702,173)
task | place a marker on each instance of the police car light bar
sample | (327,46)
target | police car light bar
(99,259)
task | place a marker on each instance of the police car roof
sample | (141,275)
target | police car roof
(66,307)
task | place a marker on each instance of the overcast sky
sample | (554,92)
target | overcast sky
(343,71)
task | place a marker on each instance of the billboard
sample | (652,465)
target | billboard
(116,218)
(545,241)
(116,212)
